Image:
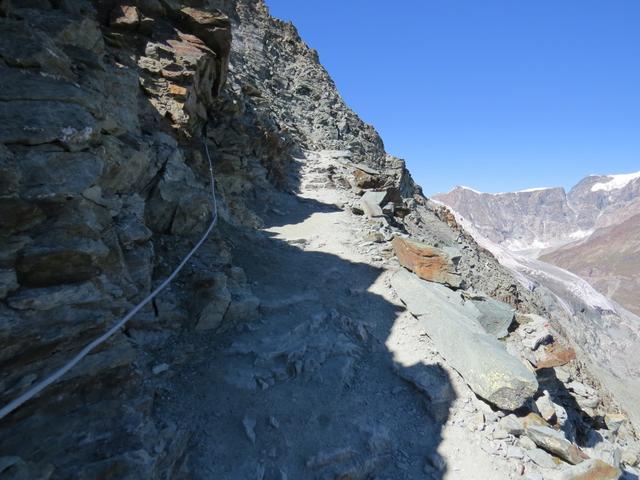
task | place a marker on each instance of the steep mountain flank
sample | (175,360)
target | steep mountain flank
(609,259)
(291,344)
(591,231)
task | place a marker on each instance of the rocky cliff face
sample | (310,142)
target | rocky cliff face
(104,108)
(270,330)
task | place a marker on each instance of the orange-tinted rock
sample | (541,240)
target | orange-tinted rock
(591,470)
(125,17)
(556,356)
(366,180)
(533,419)
(429,263)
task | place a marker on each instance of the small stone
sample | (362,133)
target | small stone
(555,356)
(542,458)
(160,368)
(629,457)
(534,419)
(591,470)
(427,262)
(125,17)
(511,424)
(546,407)
(515,452)
(614,421)
(562,374)
(555,442)
(249,424)
(273,421)
(526,443)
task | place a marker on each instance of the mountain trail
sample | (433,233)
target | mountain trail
(336,378)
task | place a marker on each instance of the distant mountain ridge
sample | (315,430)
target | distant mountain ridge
(537,219)
(592,231)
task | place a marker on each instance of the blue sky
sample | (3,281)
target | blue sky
(496,94)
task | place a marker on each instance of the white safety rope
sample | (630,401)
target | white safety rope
(37,388)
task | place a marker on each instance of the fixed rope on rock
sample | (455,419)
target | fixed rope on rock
(53,377)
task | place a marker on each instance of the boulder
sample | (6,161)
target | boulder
(484,363)
(54,175)
(371,203)
(366,180)
(554,441)
(555,355)
(535,332)
(429,263)
(495,317)
(614,421)
(591,470)
(546,407)
(51,297)
(125,17)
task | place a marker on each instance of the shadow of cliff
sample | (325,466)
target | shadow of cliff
(341,405)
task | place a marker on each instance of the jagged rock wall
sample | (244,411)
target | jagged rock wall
(102,111)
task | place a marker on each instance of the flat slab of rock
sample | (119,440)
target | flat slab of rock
(591,470)
(429,263)
(484,363)
(554,441)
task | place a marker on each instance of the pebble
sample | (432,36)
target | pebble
(249,424)
(160,368)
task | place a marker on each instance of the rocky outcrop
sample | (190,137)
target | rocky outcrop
(102,192)
(429,263)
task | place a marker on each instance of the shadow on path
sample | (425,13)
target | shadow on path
(310,390)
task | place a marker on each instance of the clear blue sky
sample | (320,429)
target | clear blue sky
(495,94)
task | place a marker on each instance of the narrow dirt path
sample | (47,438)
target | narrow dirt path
(328,381)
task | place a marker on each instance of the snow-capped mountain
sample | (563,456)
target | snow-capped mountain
(591,231)
(537,219)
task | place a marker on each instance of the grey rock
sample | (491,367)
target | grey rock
(249,424)
(495,317)
(212,301)
(34,123)
(30,48)
(511,424)
(9,173)
(8,282)
(54,175)
(51,297)
(555,442)
(371,203)
(546,407)
(542,458)
(483,362)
